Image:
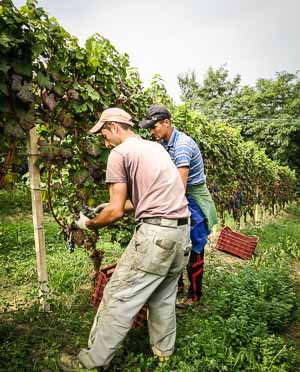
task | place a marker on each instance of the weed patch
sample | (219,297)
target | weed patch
(241,325)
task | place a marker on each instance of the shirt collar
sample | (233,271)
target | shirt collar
(172,138)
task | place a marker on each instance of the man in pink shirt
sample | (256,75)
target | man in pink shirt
(159,250)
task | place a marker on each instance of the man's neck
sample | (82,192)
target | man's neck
(125,135)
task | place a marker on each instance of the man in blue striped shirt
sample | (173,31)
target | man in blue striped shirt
(187,157)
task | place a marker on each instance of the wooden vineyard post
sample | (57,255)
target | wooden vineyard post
(256,219)
(38,219)
(213,233)
(256,213)
(262,214)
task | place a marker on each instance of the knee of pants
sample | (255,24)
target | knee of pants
(116,315)
(161,311)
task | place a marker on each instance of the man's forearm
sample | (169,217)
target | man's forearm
(107,216)
(184,173)
(128,206)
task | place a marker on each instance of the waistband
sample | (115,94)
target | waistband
(167,222)
(196,185)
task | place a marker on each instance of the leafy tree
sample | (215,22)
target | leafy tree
(158,92)
(214,97)
(190,89)
(268,113)
(49,82)
(234,165)
(272,117)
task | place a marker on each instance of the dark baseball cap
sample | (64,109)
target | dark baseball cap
(154,114)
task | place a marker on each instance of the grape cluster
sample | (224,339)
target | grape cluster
(88,212)
(71,246)
(69,241)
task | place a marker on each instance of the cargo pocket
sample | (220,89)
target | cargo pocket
(182,257)
(154,254)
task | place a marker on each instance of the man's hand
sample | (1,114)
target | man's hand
(81,222)
(100,206)
(115,208)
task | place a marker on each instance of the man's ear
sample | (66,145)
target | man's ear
(167,123)
(115,127)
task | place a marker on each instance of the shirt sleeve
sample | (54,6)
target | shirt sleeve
(183,153)
(115,172)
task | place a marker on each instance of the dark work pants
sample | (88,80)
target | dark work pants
(195,269)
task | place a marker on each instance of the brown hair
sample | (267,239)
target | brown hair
(107,125)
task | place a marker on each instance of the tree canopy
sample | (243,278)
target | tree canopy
(49,82)
(267,113)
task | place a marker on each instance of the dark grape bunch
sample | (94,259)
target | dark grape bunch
(71,246)
(69,241)
(89,212)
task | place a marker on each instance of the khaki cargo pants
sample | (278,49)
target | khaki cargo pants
(147,272)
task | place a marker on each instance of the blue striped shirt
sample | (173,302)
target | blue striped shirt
(185,153)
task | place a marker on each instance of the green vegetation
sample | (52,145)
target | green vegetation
(233,165)
(267,113)
(243,323)
(49,82)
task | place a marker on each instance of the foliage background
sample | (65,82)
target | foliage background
(243,324)
(47,81)
(50,82)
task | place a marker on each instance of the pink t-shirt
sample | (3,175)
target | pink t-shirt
(154,184)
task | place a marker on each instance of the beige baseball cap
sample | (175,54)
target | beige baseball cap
(112,114)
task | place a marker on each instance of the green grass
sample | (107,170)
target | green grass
(285,227)
(13,202)
(247,321)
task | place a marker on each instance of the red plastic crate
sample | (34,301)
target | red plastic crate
(237,244)
(103,278)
